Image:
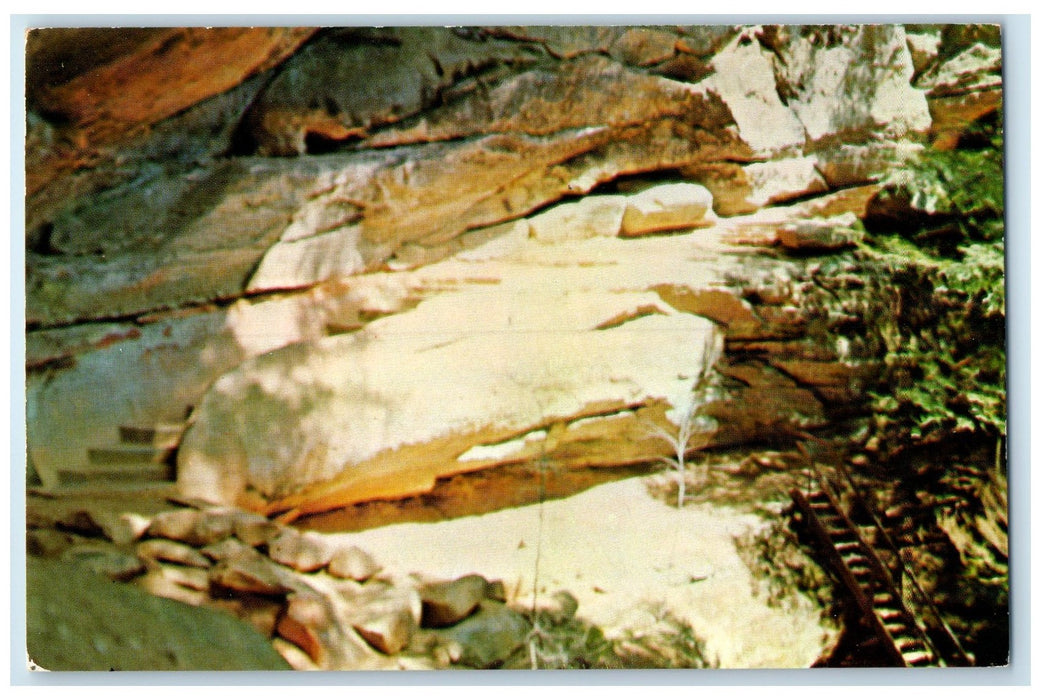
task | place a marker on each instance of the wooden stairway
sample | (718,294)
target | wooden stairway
(874,586)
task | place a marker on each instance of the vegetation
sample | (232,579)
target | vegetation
(938,230)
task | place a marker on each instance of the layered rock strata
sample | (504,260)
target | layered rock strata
(364,259)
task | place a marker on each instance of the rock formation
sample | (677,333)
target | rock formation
(350,262)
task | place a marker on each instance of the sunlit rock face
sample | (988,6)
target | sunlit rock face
(345,262)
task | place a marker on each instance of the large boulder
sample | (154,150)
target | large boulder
(79,621)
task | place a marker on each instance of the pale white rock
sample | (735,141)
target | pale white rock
(744,79)
(976,68)
(871,62)
(666,207)
(162,368)
(779,180)
(301,262)
(123,528)
(552,334)
(389,633)
(302,551)
(589,217)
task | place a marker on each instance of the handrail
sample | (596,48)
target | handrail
(882,572)
(866,607)
(904,568)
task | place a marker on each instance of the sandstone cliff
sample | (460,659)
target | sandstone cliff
(327,266)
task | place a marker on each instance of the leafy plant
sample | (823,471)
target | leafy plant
(940,237)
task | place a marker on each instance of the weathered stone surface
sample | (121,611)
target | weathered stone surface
(456,133)
(665,208)
(300,550)
(353,563)
(350,81)
(160,583)
(779,180)
(123,528)
(820,236)
(176,525)
(190,577)
(589,217)
(388,633)
(171,551)
(424,429)
(448,602)
(251,572)
(256,530)
(225,549)
(821,66)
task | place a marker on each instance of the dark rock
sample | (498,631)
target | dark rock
(448,602)
(489,636)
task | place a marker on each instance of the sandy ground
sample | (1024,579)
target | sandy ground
(628,558)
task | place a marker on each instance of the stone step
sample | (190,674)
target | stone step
(118,472)
(127,454)
(162,435)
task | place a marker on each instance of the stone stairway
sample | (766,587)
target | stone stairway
(143,456)
(869,582)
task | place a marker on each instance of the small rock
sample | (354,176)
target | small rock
(250,572)
(380,600)
(190,577)
(302,551)
(171,551)
(260,612)
(294,655)
(389,633)
(448,602)
(213,525)
(666,207)
(175,525)
(159,584)
(107,561)
(225,549)
(124,528)
(255,530)
(301,623)
(353,563)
